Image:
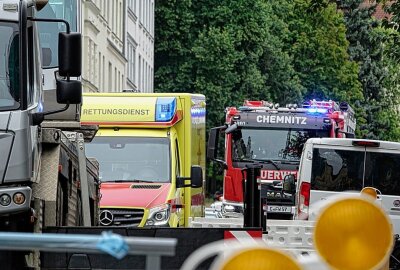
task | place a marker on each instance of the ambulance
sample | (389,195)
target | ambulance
(151,151)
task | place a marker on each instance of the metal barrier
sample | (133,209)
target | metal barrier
(188,240)
(108,243)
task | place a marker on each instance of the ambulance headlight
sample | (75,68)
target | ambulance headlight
(165,109)
(159,215)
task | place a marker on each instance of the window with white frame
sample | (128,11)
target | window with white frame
(131,60)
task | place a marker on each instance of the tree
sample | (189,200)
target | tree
(318,45)
(366,48)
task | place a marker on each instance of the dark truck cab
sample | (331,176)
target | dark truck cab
(272,137)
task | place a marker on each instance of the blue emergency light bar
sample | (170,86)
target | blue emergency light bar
(165,109)
(317,110)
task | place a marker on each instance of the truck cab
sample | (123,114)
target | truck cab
(151,151)
(273,137)
(332,166)
(22,105)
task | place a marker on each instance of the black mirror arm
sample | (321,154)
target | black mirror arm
(37,118)
(221,162)
(182,180)
(68,28)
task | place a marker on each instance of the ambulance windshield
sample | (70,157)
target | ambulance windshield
(127,159)
(271,144)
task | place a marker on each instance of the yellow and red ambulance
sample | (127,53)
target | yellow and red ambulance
(151,152)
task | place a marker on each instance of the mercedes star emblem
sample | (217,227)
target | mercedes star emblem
(106,218)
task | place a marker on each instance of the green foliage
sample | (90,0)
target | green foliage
(318,46)
(367,48)
(281,51)
(253,49)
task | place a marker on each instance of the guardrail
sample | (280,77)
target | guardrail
(108,243)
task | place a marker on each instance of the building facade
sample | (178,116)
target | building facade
(139,49)
(118,45)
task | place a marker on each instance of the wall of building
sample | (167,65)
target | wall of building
(139,49)
(118,43)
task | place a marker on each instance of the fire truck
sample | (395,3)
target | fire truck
(272,137)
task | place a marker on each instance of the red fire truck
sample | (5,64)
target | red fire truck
(271,136)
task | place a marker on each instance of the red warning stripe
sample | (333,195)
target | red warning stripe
(240,235)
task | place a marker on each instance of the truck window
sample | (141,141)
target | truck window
(60,9)
(382,171)
(271,144)
(9,66)
(337,170)
(131,158)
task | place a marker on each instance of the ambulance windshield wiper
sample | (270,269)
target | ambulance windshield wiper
(141,181)
(130,180)
(268,161)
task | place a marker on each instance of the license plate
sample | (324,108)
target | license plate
(279,209)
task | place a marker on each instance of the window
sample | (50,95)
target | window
(282,144)
(131,60)
(140,73)
(104,73)
(120,21)
(109,77)
(115,80)
(344,170)
(9,70)
(145,76)
(100,70)
(382,172)
(152,20)
(152,80)
(143,73)
(337,170)
(140,11)
(131,159)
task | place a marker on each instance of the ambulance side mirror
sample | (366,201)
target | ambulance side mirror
(196,175)
(289,185)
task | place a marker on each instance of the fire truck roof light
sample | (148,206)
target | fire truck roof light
(245,109)
(366,143)
(165,109)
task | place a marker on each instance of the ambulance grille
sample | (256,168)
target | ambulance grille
(146,186)
(121,217)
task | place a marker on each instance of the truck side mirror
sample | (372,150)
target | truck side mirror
(212,145)
(69,92)
(196,175)
(289,185)
(70,64)
(70,54)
